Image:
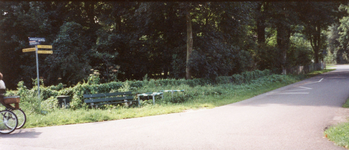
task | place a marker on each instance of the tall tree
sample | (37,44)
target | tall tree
(318,16)
(333,44)
(189,41)
(283,18)
(19,20)
(222,41)
(70,61)
(261,21)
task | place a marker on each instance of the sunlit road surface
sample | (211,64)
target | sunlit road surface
(291,118)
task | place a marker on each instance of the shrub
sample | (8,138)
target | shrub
(193,88)
(248,76)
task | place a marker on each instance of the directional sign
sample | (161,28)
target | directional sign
(45,46)
(44,52)
(35,40)
(28,49)
(34,43)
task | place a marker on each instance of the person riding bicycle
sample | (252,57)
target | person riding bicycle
(2,93)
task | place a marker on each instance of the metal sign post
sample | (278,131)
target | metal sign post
(37,69)
(36,41)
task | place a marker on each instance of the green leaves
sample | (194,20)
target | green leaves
(150,38)
(70,60)
(249,76)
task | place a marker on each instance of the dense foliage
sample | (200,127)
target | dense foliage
(192,88)
(337,36)
(129,40)
(198,94)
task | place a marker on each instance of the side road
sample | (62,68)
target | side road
(292,117)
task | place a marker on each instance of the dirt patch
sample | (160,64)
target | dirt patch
(342,115)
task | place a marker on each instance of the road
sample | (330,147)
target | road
(292,117)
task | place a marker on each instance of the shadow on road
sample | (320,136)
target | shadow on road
(22,133)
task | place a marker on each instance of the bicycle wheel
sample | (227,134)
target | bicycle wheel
(8,122)
(22,118)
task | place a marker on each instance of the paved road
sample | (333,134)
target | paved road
(292,117)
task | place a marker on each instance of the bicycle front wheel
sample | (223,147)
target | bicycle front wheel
(8,122)
(22,118)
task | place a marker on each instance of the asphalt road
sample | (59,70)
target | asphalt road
(292,117)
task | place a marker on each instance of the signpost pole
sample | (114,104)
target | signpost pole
(36,41)
(37,70)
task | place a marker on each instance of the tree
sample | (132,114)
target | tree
(18,21)
(161,39)
(333,45)
(318,16)
(222,41)
(343,40)
(261,21)
(70,61)
(283,18)
(189,42)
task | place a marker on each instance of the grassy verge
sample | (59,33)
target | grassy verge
(330,66)
(197,97)
(346,104)
(315,73)
(339,134)
(68,116)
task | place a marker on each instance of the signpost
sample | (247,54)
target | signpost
(44,46)
(44,52)
(36,41)
(29,50)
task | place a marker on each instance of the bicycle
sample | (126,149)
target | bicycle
(19,113)
(21,116)
(8,121)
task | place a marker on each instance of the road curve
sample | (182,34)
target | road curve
(292,117)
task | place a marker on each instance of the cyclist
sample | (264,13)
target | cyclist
(2,92)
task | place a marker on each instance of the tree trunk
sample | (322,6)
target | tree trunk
(166,70)
(189,43)
(261,26)
(283,40)
(317,43)
(315,40)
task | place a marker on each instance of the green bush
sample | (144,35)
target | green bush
(49,104)
(248,76)
(193,88)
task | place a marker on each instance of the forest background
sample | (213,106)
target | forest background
(131,40)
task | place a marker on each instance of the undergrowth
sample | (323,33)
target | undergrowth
(198,93)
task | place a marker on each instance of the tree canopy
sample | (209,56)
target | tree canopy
(128,40)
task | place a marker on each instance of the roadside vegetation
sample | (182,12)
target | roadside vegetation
(330,66)
(199,94)
(339,134)
(315,73)
(128,40)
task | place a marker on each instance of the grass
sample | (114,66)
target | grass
(198,97)
(346,104)
(330,66)
(339,134)
(68,116)
(315,73)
